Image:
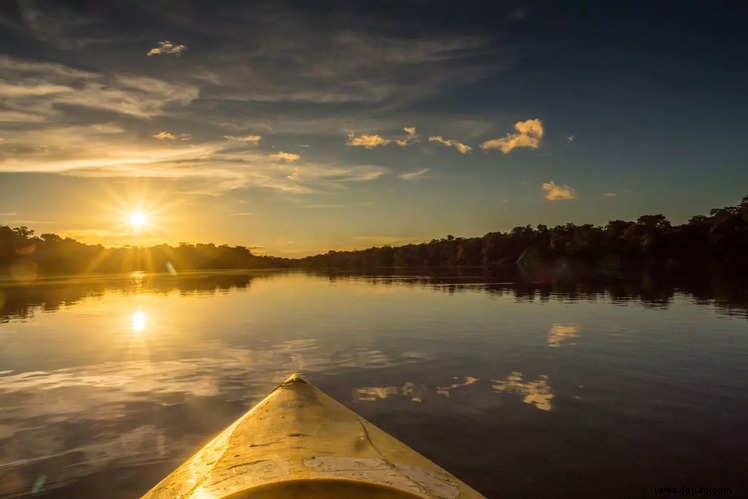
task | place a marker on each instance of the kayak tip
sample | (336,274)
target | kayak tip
(294,378)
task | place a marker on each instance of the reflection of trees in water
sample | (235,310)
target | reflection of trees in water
(23,301)
(728,293)
(725,293)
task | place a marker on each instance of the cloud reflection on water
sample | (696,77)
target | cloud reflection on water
(559,333)
(537,393)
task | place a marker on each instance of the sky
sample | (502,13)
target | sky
(294,128)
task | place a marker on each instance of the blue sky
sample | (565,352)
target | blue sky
(282,125)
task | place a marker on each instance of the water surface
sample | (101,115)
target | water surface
(106,384)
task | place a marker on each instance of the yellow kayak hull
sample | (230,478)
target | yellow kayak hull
(300,442)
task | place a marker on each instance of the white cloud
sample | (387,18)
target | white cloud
(248,139)
(414,174)
(165,47)
(463,148)
(554,192)
(166,135)
(285,156)
(367,141)
(528,134)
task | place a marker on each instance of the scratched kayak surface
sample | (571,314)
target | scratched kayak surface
(300,442)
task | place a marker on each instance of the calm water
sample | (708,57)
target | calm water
(107,384)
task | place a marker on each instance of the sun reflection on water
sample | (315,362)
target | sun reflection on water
(139,321)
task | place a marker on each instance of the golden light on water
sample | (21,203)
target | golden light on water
(139,321)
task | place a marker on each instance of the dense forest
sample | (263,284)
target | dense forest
(719,240)
(543,253)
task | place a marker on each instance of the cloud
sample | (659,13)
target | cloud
(357,67)
(367,141)
(29,89)
(414,174)
(205,168)
(370,141)
(610,194)
(410,137)
(165,47)
(42,91)
(554,192)
(247,139)
(463,148)
(528,134)
(20,117)
(165,135)
(285,156)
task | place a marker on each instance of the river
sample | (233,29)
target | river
(108,383)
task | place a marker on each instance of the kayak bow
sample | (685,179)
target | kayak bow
(300,442)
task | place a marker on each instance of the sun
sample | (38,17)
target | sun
(137,219)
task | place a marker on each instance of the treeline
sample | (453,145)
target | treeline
(719,240)
(541,252)
(24,255)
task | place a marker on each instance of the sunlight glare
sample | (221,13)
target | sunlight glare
(139,320)
(138,219)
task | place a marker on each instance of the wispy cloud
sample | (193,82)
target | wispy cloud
(166,135)
(357,67)
(31,90)
(367,141)
(463,148)
(555,192)
(43,91)
(528,134)
(285,156)
(414,174)
(206,168)
(165,47)
(610,194)
(247,139)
